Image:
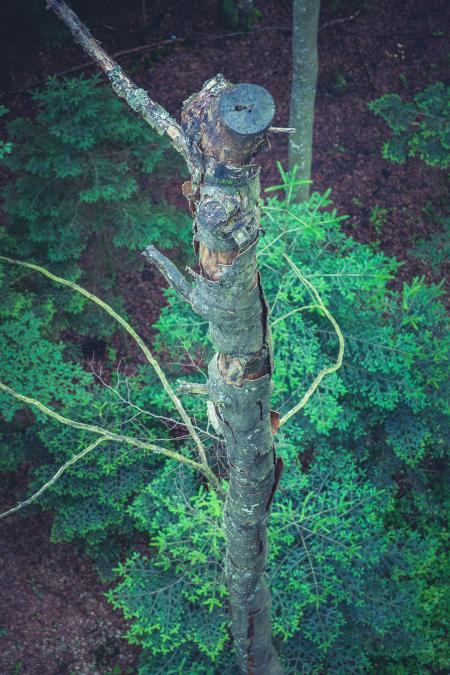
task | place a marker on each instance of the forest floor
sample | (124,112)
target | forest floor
(53,616)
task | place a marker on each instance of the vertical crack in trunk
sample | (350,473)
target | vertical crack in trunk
(225,126)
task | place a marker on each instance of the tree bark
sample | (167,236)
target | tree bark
(225,126)
(303,93)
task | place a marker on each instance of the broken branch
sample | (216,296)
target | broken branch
(281,130)
(169,271)
(193,388)
(138,99)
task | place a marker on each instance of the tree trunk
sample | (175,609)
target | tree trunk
(226,126)
(303,94)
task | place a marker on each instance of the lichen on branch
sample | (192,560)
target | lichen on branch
(138,99)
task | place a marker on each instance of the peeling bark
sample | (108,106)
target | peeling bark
(226,126)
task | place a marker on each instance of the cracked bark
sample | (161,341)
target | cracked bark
(225,126)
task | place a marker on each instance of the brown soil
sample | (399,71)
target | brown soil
(54,619)
(53,616)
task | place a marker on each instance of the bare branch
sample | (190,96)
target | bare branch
(141,344)
(119,438)
(138,99)
(169,271)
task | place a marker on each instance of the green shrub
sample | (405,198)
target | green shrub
(434,251)
(236,17)
(176,598)
(89,501)
(83,169)
(356,564)
(420,128)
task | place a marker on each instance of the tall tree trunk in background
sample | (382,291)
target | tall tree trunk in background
(239,15)
(303,94)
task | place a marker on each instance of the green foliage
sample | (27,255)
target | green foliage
(357,532)
(435,250)
(183,576)
(89,501)
(83,172)
(420,128)
(356,565)
(378,218)
(236,18)
(339,83)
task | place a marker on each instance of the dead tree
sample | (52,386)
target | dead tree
(223,128)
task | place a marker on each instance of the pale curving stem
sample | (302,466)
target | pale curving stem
(105,435)
(54,478)
(130,330)
(325,371)
(138,99)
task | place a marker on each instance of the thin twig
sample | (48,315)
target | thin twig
(366,68)
(141,411)
(54,478)
(141,344)
(344,19)
(224,36)
(88,64)
(326,371)
(118,438)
